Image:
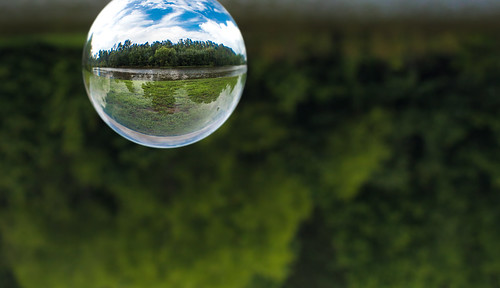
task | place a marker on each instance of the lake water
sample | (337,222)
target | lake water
(166,74)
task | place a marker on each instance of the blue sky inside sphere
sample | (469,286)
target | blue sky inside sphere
(142,21)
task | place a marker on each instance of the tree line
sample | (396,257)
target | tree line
(167,54)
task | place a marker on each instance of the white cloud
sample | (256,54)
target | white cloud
(179,4)
(117,23)
(227,34)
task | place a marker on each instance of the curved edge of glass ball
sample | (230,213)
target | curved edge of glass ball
(208,114)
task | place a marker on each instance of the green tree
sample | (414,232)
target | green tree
(165,57)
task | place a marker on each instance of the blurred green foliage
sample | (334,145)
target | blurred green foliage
(353,160)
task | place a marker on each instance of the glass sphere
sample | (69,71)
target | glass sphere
(164,73)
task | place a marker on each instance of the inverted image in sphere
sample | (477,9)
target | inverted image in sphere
(163,73)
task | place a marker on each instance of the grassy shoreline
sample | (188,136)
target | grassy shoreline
(163,108)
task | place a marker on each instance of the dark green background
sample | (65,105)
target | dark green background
(362,154)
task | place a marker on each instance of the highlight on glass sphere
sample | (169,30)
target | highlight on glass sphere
(164,73)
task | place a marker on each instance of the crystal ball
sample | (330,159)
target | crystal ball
(164,74)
